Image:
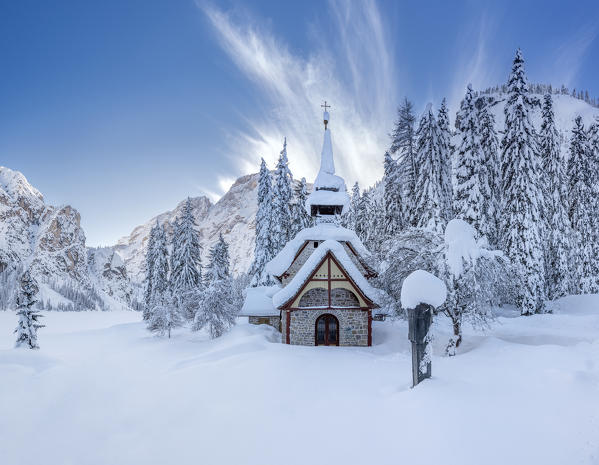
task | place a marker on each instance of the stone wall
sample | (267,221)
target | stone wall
(343,298)
(353,326)
(274,321)
(317,297)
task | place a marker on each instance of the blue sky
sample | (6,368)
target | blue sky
(124,108)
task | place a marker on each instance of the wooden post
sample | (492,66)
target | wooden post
(419,320)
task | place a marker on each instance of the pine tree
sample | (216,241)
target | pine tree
(363,214)
(403,144)
(28,325)
(430,202)
(186,267)
(164,314)
(522,203)
(300,219)
(217,308)
(581,211)
(393,220)
(264,249)
(489,144)
(281,200)
(556,214)
(150,258)
(349,218)
(218,267)
(446,158)
(472,190)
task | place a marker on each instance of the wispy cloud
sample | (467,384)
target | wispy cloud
(352,68)
(570,55)
(476,65)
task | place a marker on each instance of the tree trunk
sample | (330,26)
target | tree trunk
(456,339)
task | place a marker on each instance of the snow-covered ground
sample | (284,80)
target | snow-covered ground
(104,391)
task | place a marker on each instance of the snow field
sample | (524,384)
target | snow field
(102,390)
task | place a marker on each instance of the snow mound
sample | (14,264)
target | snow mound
(422,287)
(322,232)
(313,261)
(258,301)
(460,245)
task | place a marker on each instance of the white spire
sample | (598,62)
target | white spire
(327,165)
(329,197)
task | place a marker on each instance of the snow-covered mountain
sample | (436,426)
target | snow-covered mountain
(51,242)
(234,216)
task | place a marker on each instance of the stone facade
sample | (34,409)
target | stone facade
(343,298)
(315,298)
(320,298)
(353,326)
(274,321)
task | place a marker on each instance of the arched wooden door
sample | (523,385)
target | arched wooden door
(327,330)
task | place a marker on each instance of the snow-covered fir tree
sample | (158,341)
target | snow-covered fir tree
(186,266)
(555,183)
(522,194)
(218,306)
(376,224)
(281,202)
(489,144)
(300,219)
(150,255)
(164,314)
(264,246)
(363,214)
(28,324)
(218,267)
(581,191)
(392,197)
(403,147)
(472,190)
(447,150)
(593,144)
(348,220)
(431,204)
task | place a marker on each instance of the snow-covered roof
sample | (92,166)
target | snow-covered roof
(328,198)
(422,287)
(258,301)
(330,245)
(321,232)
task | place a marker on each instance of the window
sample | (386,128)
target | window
(315,244)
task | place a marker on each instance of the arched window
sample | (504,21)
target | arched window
(343,298)
(327,331)
(316,297)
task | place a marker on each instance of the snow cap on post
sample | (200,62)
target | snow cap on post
(421,287)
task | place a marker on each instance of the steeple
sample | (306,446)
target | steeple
(329,197)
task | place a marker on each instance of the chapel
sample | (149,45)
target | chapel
(324,296)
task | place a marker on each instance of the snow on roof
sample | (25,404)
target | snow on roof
(321,232)
(326,180)
(289,291)
(258,301)
(422,287)
(328,198)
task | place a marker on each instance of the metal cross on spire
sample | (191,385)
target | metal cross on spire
(325,106)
